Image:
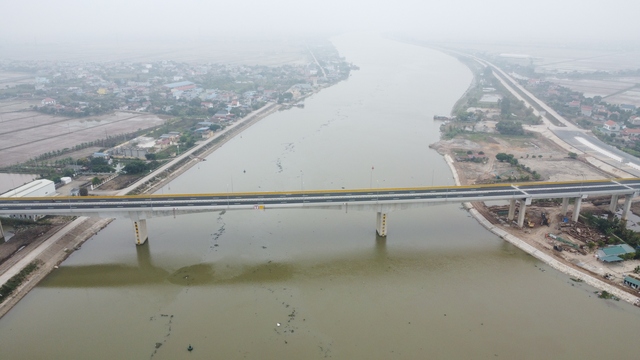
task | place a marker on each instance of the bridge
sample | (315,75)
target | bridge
(139,208)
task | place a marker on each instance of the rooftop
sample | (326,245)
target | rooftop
(179,84)
(615,250)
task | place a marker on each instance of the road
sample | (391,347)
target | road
(167,204)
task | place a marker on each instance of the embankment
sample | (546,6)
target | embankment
(540,255)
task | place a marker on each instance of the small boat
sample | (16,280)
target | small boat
(190,348)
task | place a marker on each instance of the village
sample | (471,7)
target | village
(495,138)
(98,119)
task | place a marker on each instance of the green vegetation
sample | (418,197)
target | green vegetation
(573,155)
(136,167)
(506,127)
(606,295)
(10,286)
(616,232)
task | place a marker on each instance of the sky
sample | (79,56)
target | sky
(46,21)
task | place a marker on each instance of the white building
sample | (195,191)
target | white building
(36,188)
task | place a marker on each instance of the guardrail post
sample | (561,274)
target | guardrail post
(139,228)
(381,224)
(614,203)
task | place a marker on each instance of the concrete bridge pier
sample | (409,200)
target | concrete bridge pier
(565,206)
(626,207)
(512,209)
(522,212)
(576,209)
(1,233)
(381,224)
(614,203)
(139,228)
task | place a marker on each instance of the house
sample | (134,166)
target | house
(612,253)
(634,120)
(611,125)
(204,132)
(101,155)
(574,104)
(586,110)
(48,101)
(630,133)
(632,282)
(222,114)
(180,86)
(627,107)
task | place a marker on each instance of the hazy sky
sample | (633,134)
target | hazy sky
(45,21)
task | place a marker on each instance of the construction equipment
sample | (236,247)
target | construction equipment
(545,220)
(529,222)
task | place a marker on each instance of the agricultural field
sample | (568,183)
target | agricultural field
(27,134)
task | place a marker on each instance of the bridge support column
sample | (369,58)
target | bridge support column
(1,234)
(139,228)
(626,207)
(381,224)
(576,209)
(512,209)
(522,212)
(565,206)
(614,203)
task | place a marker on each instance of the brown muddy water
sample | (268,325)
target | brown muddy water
(315,284)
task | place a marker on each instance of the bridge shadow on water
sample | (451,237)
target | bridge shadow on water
(370,261)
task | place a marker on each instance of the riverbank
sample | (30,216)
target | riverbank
(54,248)
(52,252)
(537,253)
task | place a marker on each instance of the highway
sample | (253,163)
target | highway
(165,205)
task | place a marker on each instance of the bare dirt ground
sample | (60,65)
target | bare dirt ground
(554,165)
(27,237)
(26,134)
(120,182)
(538,153)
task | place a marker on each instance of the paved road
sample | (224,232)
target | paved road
(159,204)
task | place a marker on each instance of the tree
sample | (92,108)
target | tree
(504,157)
(135,167)
(573,155)
(505,108)
(84,191)
(95,181)
(510,128)
(150,156)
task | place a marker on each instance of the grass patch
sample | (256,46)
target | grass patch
(10,286)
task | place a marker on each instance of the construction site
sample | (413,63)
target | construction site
(546,228)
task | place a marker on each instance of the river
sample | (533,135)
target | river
(314,284)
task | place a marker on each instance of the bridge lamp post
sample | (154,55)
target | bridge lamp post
(371,178)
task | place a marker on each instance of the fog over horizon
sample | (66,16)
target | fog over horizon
(39,22)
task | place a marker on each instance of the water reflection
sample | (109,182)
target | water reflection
(232,271)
